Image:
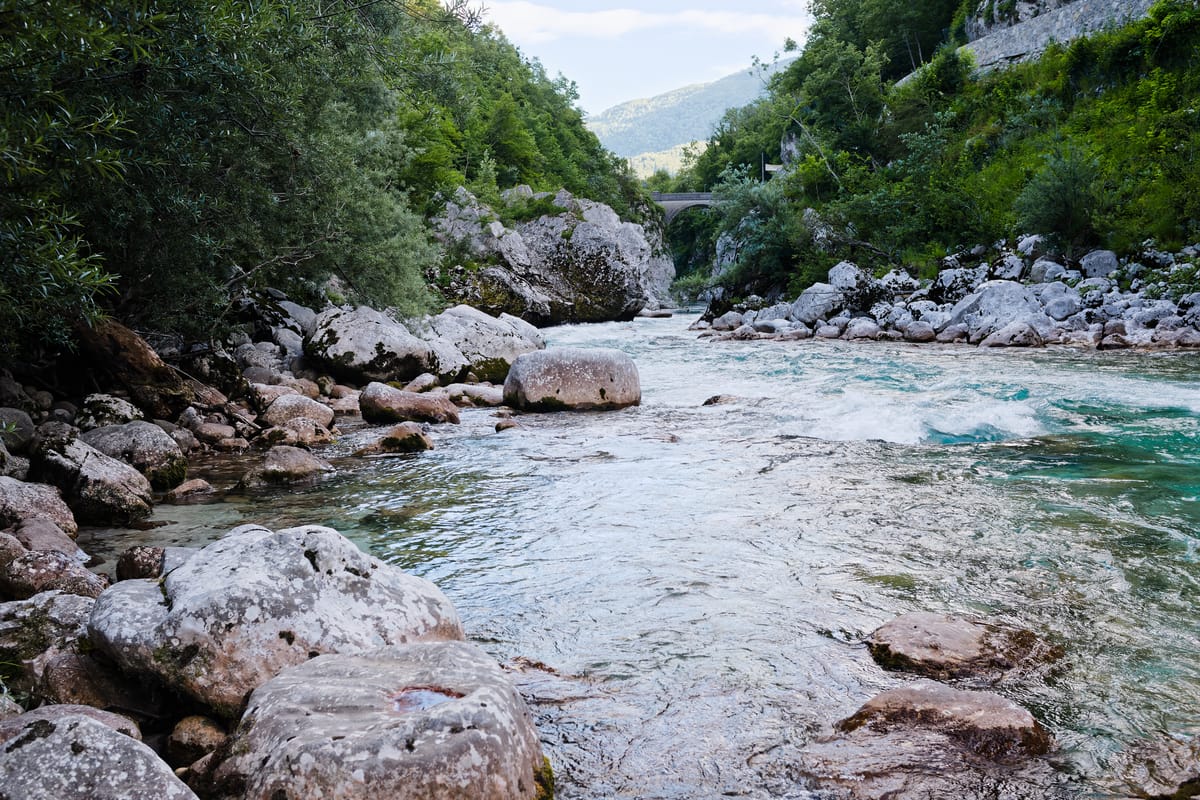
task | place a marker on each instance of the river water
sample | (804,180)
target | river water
(682,589)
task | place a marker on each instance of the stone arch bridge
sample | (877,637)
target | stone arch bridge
(673,203)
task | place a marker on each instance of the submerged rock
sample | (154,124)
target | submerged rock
(286,466)
(573,379)
(256,601)
(416,722)
(943,647)
(927,741)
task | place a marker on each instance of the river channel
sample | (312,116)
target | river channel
(682,590)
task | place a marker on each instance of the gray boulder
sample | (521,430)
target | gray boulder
(573,379)
(100,490)
(363,344)
(76,757)
(1014,334)
(996,304)
(256,601)
(382,404)
(100,410)
(898,282)
(144,446)
(416,722)
(816,302)
(1045,270)
(407,437)
(296,406)
(1009,267)
(35,630)
(729,321)
(488,345)
(862,328)
(1099,264)
(859,289)
(1060,300)
(920,332)
(40,533)
(20,501)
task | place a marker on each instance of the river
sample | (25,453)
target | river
(700,577)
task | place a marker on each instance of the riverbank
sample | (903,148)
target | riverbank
(1017,299)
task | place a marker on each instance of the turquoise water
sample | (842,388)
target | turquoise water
(700,578)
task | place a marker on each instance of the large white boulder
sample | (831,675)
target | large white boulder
(573,379)
(256,601)
(145,447)
(436,721)
(362,344)
(997,304)
(100,490)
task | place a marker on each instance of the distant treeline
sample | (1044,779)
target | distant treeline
(157,158)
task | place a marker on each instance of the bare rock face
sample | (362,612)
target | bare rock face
(434,721)
(576,263)
(144,446)
(256,601)
(99,489)
(941,647)
(573,379)
(20,501)
(76,757)
(381,404)
(928,740)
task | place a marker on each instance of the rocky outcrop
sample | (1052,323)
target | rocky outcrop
(573,379)
(417,722)
(256,601)
(364,345)
(578,263)
(985,305)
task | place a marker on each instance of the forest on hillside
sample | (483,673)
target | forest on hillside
(1094,144)
(159,158)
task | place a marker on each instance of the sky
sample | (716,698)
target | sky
(618,50)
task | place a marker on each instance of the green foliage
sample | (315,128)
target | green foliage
(1093,144)
(157,158)
(1062,199)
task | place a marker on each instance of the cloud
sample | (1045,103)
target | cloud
(531,23)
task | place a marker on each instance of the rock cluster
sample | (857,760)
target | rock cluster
(577,262)
(1015,300)
(267,664)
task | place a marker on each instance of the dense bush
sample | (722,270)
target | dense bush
(157,158)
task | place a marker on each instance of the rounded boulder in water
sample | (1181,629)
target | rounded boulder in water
(573,379)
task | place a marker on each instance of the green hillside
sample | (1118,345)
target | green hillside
(690,114)
(1095,144)
(158,158)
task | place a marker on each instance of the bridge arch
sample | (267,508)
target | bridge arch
(674,202)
